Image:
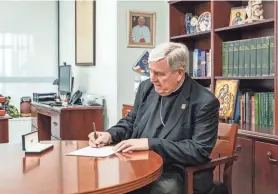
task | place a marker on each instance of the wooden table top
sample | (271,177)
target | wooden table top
(5,117)
(56,173)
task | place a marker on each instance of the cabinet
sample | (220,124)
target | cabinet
(256,170)
(266,168)
(65,123)
(4,129)
(242,168)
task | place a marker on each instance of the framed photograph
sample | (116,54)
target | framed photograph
(85,31)
(237,16)
(141,29)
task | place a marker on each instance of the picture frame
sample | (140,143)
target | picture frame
(85,33)
(141,29)
(237,16)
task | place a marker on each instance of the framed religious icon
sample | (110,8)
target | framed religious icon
(237,16)
(141,29)
(227,93)
(85,31)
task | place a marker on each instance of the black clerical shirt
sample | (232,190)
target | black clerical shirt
(163,107)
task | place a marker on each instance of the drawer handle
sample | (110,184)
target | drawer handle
(238,148)
(271,159)
(55,123)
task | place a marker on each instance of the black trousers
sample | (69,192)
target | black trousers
(172,181)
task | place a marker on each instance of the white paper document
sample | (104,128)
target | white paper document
(94,152)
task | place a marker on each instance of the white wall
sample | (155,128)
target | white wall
(112,76)
(126,57)
(102,78)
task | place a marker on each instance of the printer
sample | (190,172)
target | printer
(44,97)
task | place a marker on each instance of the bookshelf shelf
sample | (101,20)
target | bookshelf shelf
(257,135)
(263,24)
(203,78)
(245,77)
(258,129)
(198,35)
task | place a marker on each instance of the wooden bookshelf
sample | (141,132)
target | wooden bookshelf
(221,32)
(256,141)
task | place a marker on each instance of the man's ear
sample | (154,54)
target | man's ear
(180,73)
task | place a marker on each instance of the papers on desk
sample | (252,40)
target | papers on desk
(94,152)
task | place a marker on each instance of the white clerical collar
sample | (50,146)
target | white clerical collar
(179,85)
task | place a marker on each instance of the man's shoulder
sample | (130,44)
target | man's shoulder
(202,95)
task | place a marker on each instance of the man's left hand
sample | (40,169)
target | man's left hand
(132,145)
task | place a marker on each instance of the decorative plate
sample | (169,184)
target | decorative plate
(194,21)
(204,22)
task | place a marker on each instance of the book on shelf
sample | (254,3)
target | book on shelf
(200,63)
(248,57)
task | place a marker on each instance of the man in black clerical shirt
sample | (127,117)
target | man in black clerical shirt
(173,116)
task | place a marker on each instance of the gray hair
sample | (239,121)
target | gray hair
(176,55)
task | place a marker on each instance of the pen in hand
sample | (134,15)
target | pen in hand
(95,132)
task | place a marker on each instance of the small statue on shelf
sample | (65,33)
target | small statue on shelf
(254,11)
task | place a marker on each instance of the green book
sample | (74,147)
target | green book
(270,107)
(256,103)
(261,108)
(271,55)
(265,109)
(259,57)
(253,58)
(225,59)
(247,65)
(230,58)
(236,49)
(241,54)
(265,56)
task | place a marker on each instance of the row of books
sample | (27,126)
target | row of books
(248,57)
(257,108)
(199,63)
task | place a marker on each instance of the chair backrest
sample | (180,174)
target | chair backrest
(225,145)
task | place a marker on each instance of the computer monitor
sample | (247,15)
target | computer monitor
(65,79)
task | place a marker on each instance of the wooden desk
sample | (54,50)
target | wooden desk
(65,123)
(55,173)
(4,129)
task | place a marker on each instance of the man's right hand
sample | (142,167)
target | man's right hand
(103,138)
